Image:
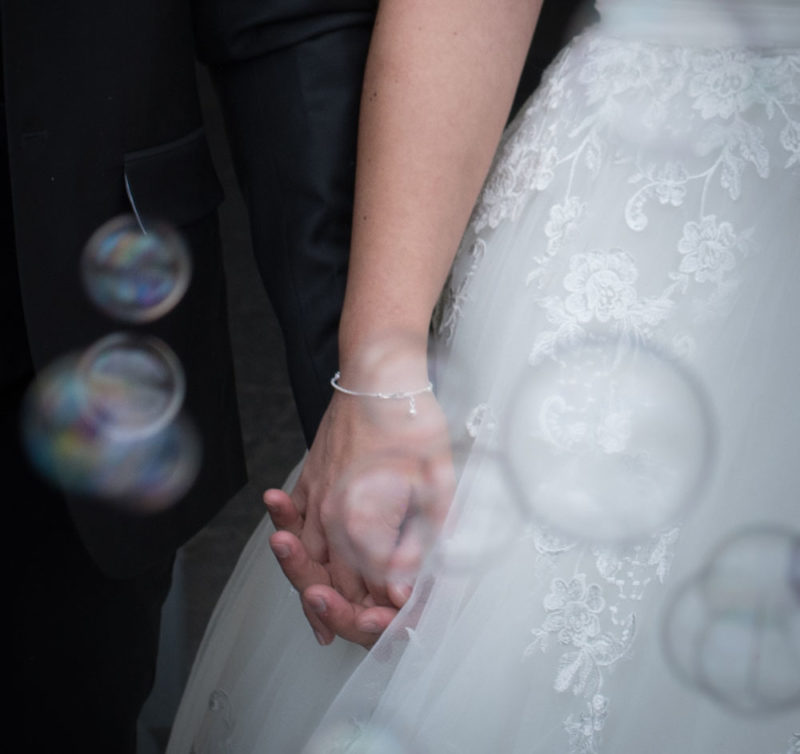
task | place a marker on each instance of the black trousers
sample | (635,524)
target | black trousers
(292,119)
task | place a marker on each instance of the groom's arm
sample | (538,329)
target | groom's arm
(288,74)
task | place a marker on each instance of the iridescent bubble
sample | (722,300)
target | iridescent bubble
(79,449)
(132,275)
(362,738)
(733,631)
(609,439)
(134,384)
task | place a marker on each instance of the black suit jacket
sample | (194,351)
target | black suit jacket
(97,94)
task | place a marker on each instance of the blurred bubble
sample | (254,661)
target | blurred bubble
(74,444)
(362,738)
(385,512)
(733,631)
(132,275)
(488,515)
(134,384)
(394,509)
(609,439)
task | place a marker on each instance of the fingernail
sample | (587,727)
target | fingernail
(402,589)
(318,637)
(317,605)
(371,628)
(281,550)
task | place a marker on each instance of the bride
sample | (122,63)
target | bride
(588,540)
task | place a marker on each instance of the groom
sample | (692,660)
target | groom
(100,112)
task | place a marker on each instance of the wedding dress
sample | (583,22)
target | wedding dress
(643,216)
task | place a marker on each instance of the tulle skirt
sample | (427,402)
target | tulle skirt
(617,353)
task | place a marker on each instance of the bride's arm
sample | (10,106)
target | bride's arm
(439,83)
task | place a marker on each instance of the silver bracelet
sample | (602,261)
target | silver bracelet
(409,395)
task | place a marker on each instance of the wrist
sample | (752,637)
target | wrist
(410,395)
(385,362)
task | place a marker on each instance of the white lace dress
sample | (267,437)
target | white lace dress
(646,199)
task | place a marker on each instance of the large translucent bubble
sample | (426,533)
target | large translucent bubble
(609,439)
(733,630)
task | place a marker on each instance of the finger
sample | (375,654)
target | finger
(368,534)
(345,580)
(295,562)
(374,621)
(349,620)
(399,590)
(417,539)
(282,511)
(322,633)
(378,592)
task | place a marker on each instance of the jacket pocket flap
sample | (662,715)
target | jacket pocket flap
(175,182)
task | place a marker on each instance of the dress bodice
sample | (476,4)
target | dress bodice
(766,23)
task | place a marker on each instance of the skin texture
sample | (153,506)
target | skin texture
(439,83)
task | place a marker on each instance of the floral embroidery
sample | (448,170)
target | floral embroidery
(593,631)
(573,615)
(707,248)
(669,183)
(732,97)
(563,221)
(583,729)
(601,288)
(723,83)
(631,569)
(455,293)
(573,608)
(601,285)
(479,418)
(643,100)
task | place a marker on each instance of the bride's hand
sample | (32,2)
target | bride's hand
(354,565)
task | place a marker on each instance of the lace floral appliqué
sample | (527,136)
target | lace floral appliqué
(587,622)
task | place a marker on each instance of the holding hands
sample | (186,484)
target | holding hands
(352,544)
(371,497)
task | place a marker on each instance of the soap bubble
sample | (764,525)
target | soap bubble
(733,630)
(367,738)
(487,515)
(82,430)
(610,439)
(134,384)
(385,512)
(394,509)
(132,275)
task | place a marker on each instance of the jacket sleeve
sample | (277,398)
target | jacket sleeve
(234,30)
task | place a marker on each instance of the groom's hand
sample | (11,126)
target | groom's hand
(349,612)
(336,598)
